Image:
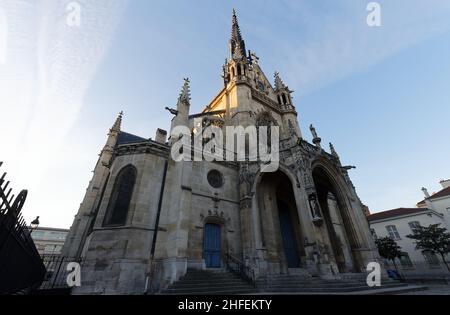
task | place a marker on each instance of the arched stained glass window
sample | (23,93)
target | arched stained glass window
(119,203)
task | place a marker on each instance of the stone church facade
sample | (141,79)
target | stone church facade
(146,219)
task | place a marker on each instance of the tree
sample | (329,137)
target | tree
(434,239)
(389,249)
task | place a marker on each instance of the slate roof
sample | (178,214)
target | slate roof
(126,138)
(442,193)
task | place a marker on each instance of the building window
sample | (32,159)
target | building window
(119,203)
(374,234)
(430,258)
(38,234)
(392,231)
(405,261)
(50,249)
(215,179)
(415,226)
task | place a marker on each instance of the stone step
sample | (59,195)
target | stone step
(326,290)
(223,283)
(207,285)
(210,290)
(210,283)
(224,292)
(212,277)
(292,286)
(284,288)
(309,283)
(190,277)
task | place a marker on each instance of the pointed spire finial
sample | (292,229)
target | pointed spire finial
(279,85)
(185,95)
(333,151)
(118,123)
(237,44)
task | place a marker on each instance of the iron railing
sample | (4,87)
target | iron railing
(21,266)
(239,268)
(57,271)
(419,270)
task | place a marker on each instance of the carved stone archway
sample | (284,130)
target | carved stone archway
(332,196)
(279,233)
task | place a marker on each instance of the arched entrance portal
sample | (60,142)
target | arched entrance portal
(336,219)
(280,225)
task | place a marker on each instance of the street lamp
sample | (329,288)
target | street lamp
(34,225)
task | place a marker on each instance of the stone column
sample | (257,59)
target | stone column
(247,177)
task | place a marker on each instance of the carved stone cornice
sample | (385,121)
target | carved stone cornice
(148,147)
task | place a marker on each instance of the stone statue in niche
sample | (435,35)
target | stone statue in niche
(315,207)
(247,176)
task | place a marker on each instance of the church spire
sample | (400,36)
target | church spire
(279,85)
(185,95)
(118,123)
(333,151)
(237,44)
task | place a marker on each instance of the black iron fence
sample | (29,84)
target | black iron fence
(21,266)
(420,271)
(60,271)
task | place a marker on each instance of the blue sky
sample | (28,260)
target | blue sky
(381,95)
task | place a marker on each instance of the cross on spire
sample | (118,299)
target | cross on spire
(118,123)
(185,95)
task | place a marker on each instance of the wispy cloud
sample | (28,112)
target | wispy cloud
(49,67)
(335,40)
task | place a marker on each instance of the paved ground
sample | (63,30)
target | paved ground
(433,289)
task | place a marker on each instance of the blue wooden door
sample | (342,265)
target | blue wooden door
(288,236)
(212,246)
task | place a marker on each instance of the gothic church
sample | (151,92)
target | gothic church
(146,220)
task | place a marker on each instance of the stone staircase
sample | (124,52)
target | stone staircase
(299,284)
(197,282)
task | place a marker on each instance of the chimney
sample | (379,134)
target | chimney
(445,183)
(428,201)
(425,192)
(161,136)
